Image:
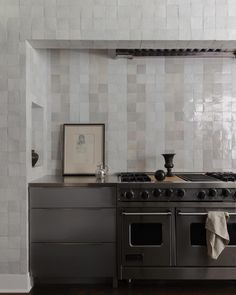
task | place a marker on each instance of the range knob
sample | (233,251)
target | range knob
(144,195)
(169,192)
(156,192)
(226,192)
(129,195)
(212,192)
(180,192)
(201,195)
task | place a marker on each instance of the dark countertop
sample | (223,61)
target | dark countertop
(60,181)
(112,180)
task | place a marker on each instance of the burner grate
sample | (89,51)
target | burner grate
(134,177)
(224,176)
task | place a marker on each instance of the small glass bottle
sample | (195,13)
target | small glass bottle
(101,171)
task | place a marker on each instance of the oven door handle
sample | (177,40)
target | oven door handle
(198,213)
(147,213)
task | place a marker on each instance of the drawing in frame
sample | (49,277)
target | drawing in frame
(83,149)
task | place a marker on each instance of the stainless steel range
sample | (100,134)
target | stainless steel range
(161,226)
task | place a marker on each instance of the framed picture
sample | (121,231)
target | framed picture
(84,148)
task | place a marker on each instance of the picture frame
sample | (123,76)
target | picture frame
(83,148)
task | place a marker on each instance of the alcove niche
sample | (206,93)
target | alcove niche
(37,132)
(37,91)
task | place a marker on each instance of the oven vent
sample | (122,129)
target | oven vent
(188,52)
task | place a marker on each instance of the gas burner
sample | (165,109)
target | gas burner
(223,176)
(134,177)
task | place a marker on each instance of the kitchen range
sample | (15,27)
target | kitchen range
(161,226)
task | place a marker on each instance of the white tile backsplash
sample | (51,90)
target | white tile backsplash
(147,105)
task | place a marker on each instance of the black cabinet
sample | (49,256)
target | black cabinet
(72,232)
(81,260)
(73,225)
(72,197)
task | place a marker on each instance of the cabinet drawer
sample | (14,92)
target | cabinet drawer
(72,197)
(72,260)
(72,225)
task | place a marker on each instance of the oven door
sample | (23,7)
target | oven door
(146,237)
(191,238)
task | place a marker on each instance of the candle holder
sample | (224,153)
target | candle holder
(169,163)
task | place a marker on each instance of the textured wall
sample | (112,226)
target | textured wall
(13,197)
(128,19)
(149,106)
(78,19)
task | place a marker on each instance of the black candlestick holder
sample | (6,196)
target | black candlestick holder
(169,163)
(35,157)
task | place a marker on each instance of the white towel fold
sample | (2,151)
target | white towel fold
(217,235)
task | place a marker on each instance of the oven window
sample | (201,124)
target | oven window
(198,234)
(232,233)
(145,234)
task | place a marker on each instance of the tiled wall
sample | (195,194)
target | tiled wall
(127,19)
(149,106)
(22,20)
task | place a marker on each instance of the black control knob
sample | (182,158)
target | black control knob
(129,195)
(169,192)
(180,193)
(144,195)
(212,192)
(156,192)
(201,195)
(226,192)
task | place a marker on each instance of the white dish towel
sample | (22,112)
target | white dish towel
(217,235)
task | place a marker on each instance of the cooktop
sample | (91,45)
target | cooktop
(184,187)
(189,177)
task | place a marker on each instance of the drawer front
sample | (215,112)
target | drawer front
(72,197)
(72,260)
(72,225)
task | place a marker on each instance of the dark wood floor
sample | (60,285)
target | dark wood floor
(139,288)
